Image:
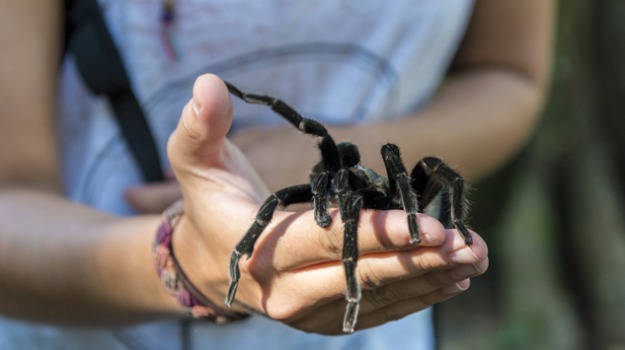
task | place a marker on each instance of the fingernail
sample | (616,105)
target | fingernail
(456,287)
(464,256)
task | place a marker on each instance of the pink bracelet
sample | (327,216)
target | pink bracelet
(175,280)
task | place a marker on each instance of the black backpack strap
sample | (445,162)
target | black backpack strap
(103,71)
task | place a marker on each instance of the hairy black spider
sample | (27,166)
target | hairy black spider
(432,187)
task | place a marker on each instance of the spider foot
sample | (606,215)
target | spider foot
(464,232)
(322,218)
(351,315)
(413,228)
(235,273)
(353,296)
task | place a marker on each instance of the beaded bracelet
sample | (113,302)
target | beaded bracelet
(176,281)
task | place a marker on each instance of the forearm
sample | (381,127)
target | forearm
(477,122)
(65,263)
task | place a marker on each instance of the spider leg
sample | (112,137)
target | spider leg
(350,204)
(433,198)
(329,152)
(305,125)
(450,180)
(350,207)
(283,197)
(321,179)
(319,186)
(399,181)
(374,199)
(420,181)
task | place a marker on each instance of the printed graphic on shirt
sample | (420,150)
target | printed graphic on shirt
(288,72)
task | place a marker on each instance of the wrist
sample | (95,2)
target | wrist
(182,280)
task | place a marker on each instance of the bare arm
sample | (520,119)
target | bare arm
(61,262)
(57,259)
(484,113)
(65,263)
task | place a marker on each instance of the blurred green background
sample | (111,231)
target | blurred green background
(554,218)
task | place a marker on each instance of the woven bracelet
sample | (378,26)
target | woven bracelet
(176,281)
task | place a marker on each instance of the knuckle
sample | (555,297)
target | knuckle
(436,280)
(383,296)
(284,308)
(254,267)
(283,303)
(186,126)
(280,311)
(370,278)
(331,242)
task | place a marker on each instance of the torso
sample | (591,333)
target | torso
(338,61)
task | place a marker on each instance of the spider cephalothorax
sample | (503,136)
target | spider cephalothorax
(432,187)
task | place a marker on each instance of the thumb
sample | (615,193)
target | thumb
(200,135)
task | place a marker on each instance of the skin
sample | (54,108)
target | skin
(64,263)
(489,104)
(305,290)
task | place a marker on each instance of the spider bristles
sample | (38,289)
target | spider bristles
(235,274)
(330,159)
(413,228)
(339,176)
(350,206)
(350,156)
(457,193)
(354,293)
(400,182)
(464,232)
(351,316)
(319,189)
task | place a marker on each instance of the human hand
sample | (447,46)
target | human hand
(295,274)
(261,145)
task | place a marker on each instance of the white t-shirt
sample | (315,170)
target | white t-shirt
(338,61)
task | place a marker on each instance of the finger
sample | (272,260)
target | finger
(377,273)
(392,293)
(395,276)
(154,197)
(199,137)
(378,231)
(378,270)
(328,318)
(381,270)
(404,308)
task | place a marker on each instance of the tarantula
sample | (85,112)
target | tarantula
(432,187)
